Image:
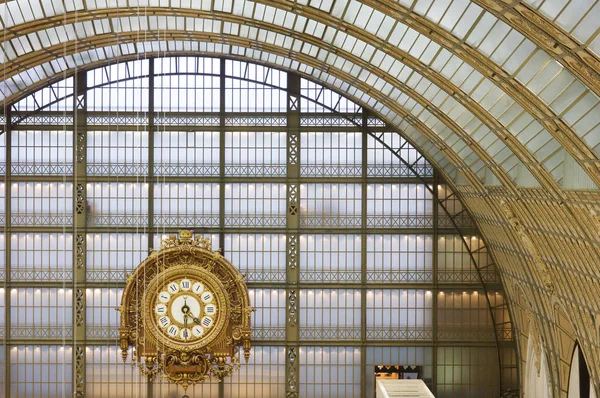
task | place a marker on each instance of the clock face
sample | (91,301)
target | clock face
(185,310)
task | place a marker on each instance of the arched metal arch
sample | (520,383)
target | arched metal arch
(419,126)
(455,225)
(568,139)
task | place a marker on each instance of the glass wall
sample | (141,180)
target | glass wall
(329,213)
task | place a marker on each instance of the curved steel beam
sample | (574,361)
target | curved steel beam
(562,133)
(111,39)
(526,158)
(561,45)
(581,152)
(437,142)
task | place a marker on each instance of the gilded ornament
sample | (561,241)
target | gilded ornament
(185,310)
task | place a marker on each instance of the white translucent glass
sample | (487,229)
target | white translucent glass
(328,200)
(270,308)
(109,256)
(392,258)
(102,320)
(41,256)
(251,153)
(105,363)
(186,148)
(399,200)
(117,147)
(186,198)
(45,147)
(41,197)
(117,198)
(329,372)
(329,308)
(255,199)
(261,257)
(38,308)
(262,376)
(399,308)
(187,93)
(41,371)
(330,258)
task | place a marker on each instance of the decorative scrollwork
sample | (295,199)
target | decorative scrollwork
(292,308)
(292,251)
(81,146)
(213,351)
(79,307)
(79,372)
(80,250)
(293,148)
(292,199)
(292,373)
(80,199)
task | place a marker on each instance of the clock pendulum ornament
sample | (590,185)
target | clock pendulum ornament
(186,311)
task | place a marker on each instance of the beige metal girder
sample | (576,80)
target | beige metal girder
(111,39)
(560,131)
(562,46)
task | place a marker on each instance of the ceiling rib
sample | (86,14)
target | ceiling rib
(132,37)
(564,135)
(585,157)
(563,47)
(492,165)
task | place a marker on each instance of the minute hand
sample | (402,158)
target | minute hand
(195,319)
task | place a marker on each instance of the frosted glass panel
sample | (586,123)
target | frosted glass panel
(41,256)
(260,256)
(41,203)
(117,153)
(331,154)
(399,314)
(399,258)
(43,371)
(102,319)
(268,321)
(405,162)
(119,204)
(467,371)
(255,205)
(330,314)
(329,372)
(186,153)
(399,205)
(464,315)
(263,375)
(255,153)
(186,205)
(42,152)
(330,258)
(107,375)
(330,205)
(41,313)
(110,256)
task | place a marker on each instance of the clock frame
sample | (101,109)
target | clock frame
(216,352)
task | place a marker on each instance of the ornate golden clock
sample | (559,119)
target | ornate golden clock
(185,310)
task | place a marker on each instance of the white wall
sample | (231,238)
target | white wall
(536,386)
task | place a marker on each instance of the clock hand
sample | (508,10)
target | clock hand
(185,321)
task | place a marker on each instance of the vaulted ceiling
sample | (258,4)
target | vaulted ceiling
(501,95)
